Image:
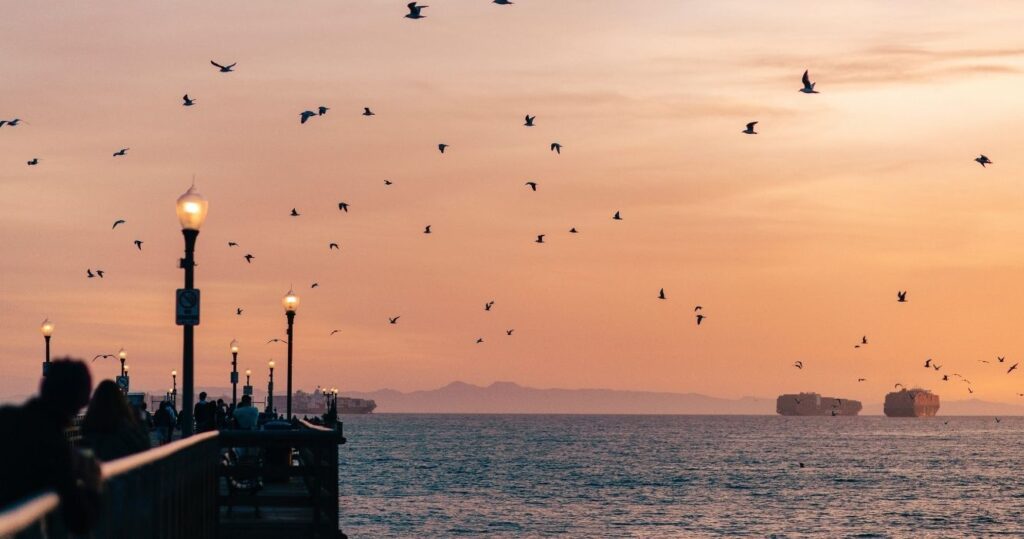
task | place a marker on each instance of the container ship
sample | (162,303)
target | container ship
(815,404)
(348,405)
(911,403)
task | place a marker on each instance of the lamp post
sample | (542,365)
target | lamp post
(47,329)
(334,399)
(127,380)
(248,373)
(270,389)
(174,388)
(122,354)
(291,303)
(191,209)
(234,372)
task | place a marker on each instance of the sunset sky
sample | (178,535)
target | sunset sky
(795,241)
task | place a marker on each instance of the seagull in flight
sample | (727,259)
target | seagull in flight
(335,331)
(248,258)
(573,230)
(368,112)
(1001,359)
(104,356)
(1013,368)
(321,110)
(983,160)
(503,2)
(529,121)
(901,296)
(188,101)
(862,379)
(799,365)
(99,273)
(661,294)
(488,305)
(118,222)
(426,230)
(333,246)
(121,152)
(314,285)
(697,308)
(808,85)
(540,238)
(295,213)
(387,182)
(700,318)
(750,129)
(928,363)
(89,274)
(394,320)
(224,69)
(617,217)
(414,11)
(277,340)
(238,311)
(480,340)
(441,147)
(232,244)
(556,147)
(138,244)
(33,162)
(305,115)
(343,206)
(532,185)
(509,331)
(899,385)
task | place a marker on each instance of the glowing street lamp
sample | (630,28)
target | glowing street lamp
(122,354)
(270,388)
(234,372)
(191,209)
(174,387)
(291,303)
(47,330)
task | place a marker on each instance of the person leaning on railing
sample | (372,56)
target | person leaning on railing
(110,426)
(36,457)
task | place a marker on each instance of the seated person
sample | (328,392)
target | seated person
(246,415)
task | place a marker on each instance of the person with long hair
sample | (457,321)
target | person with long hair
(110,427)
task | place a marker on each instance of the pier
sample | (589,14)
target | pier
(285,486)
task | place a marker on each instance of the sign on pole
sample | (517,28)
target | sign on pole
(187,307)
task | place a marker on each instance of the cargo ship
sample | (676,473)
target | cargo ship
(348,405)
(915,402)
(815,404)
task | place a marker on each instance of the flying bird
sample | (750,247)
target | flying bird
(700,318)
(335,331)
(118,222)
(33,162)
(238,311)
(808,85)
(983,160)
(532,185)
(488,305)
(862,379)
(661,294)
(321,110)
(188,101)
(928,363)
(248,258)
(367,111)
(509,331)
(333,246)
(750,128)
(1013,368)
(441,147)
(232,244)
(414,11)
(901,296)
(314,285)
(697,308)
(224,69)
(14,122)
(573,230)
(277,340)
(343,206)
(503,2)
(89,274)
(480,340)
(529,121)
(945,377)
(394,320)
(305,115)
(969,390)
(799,365)
(121,152)
(387,182)
(864,339)
(617,217)
(540,238)
(104,356)
(426,230)
(899,385)
(295,212)
(1001,359)
(138,244)
(99,273)
(556,147)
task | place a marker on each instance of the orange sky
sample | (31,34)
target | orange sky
(795,241)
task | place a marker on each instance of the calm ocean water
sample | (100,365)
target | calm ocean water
(680,476)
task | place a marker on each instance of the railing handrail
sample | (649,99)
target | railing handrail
(20,516)
(314,427)
(117,467)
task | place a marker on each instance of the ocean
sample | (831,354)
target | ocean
(680,476)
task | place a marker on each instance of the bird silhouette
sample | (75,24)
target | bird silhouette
(224,69)
(14,122)
(540,238)
(99,273)
(188,101)
(426,230)
(248,258)
(573,230)
(1012,368)
(901,296)
(898,385)
(700,318)
(238,311)
(414,11)
(862,379)
(103,356)
(335,331)
(983,160)
(969,390)
(277,340)
(89,274)
(367,111)
(945,377)
(387,182)
(321,110)
(808,85)
(333,246)
(394,320)
(138,244)
(232,244)
(864,339)
(441,147)
(305,115)
(799,365)
(33,162)
(998,420)
(661,294)
(532,185)
(556,147)
(936,366)
(121,152)
(697,308)
(928,363)
(529,121)
(488,305)
(503,2)
(509,331)
(343,206)
(480,340)
(750,128)
(295,212)
(1001,359)
(117,222)
(314,285)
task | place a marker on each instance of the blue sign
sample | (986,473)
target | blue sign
(187,307)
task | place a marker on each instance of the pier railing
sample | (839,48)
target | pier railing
(164,492)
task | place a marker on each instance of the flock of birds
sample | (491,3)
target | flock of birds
(416,12)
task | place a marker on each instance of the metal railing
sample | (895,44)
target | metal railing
(166,492)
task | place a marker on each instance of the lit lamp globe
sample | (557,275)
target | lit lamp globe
(126,370)
(248,372)
(46,328)
(122,354)
(290,302)
(234,346)
(192,209)
(271,363)
(174,374)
